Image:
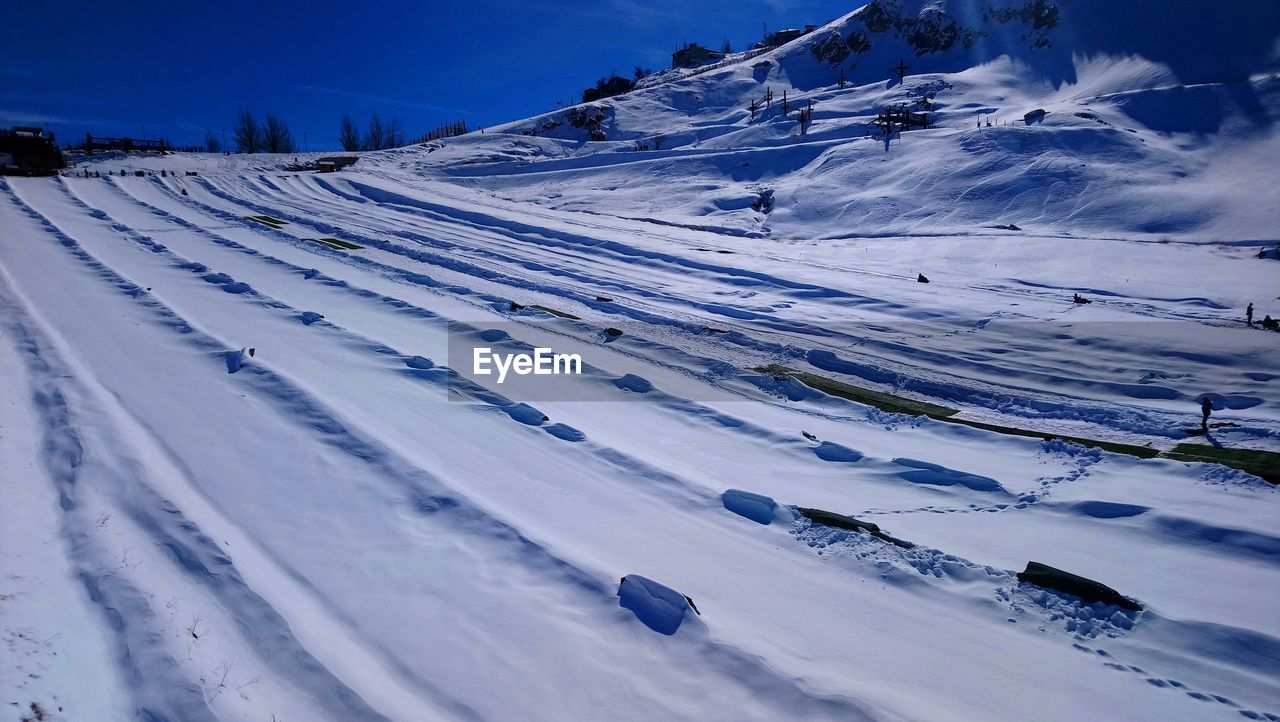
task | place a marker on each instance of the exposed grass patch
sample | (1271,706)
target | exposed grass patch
(900,405)
(336,244)
(880,400)
(554,312)
(275,223)
(1142,452)
(1263,464)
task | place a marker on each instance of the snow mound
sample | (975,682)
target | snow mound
(659,607)
(924,472)
(831,451)
(525,414)
(633,383)
(564,432)
(419,362)
(234,359)
(756,507)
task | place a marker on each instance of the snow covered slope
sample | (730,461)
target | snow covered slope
(1158,120)
(244,479)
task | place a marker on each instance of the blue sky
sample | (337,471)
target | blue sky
(171,69)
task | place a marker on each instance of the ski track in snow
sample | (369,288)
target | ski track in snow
(870,356)
(429,500)
(172,252)
(260,485)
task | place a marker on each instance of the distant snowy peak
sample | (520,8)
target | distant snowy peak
(1147,117)
(930,28)
(1197,41)
(1104,46)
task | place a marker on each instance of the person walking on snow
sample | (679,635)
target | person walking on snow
(1248,315)
(1206,408)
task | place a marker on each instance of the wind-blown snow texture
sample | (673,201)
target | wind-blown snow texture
(339,526)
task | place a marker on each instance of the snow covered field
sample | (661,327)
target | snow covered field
(339,525)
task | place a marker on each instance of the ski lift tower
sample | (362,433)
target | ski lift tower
(901,69)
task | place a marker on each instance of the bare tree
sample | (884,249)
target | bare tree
(375,135)
(727,47)
(393,134)
(276,137)
(248,135)
(448,130)
(349,135)
(211,143)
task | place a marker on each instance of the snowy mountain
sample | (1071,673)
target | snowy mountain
(1158,118)
(250,470)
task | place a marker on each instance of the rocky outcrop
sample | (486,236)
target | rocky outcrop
(932,30)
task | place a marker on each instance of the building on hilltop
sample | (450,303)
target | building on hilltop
(145,145)
(782,37)
(693,55)
(29,151)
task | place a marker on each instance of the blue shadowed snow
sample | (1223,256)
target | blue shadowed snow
(565,431)
(1235,402)
(235,359)
(659,607)
(419,362)
(756,507)
(1108,509)
(631,382)
(525,414)
(830,451)
(926,473)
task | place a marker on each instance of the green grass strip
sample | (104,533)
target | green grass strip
(1142,452)
(334,244)
(325,243)
(340,243)
(266,221)
(880,400)
(554,312)
(901,405)
(1263,464)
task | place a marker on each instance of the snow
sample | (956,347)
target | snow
(345,524)
(659,608)
(756,507)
